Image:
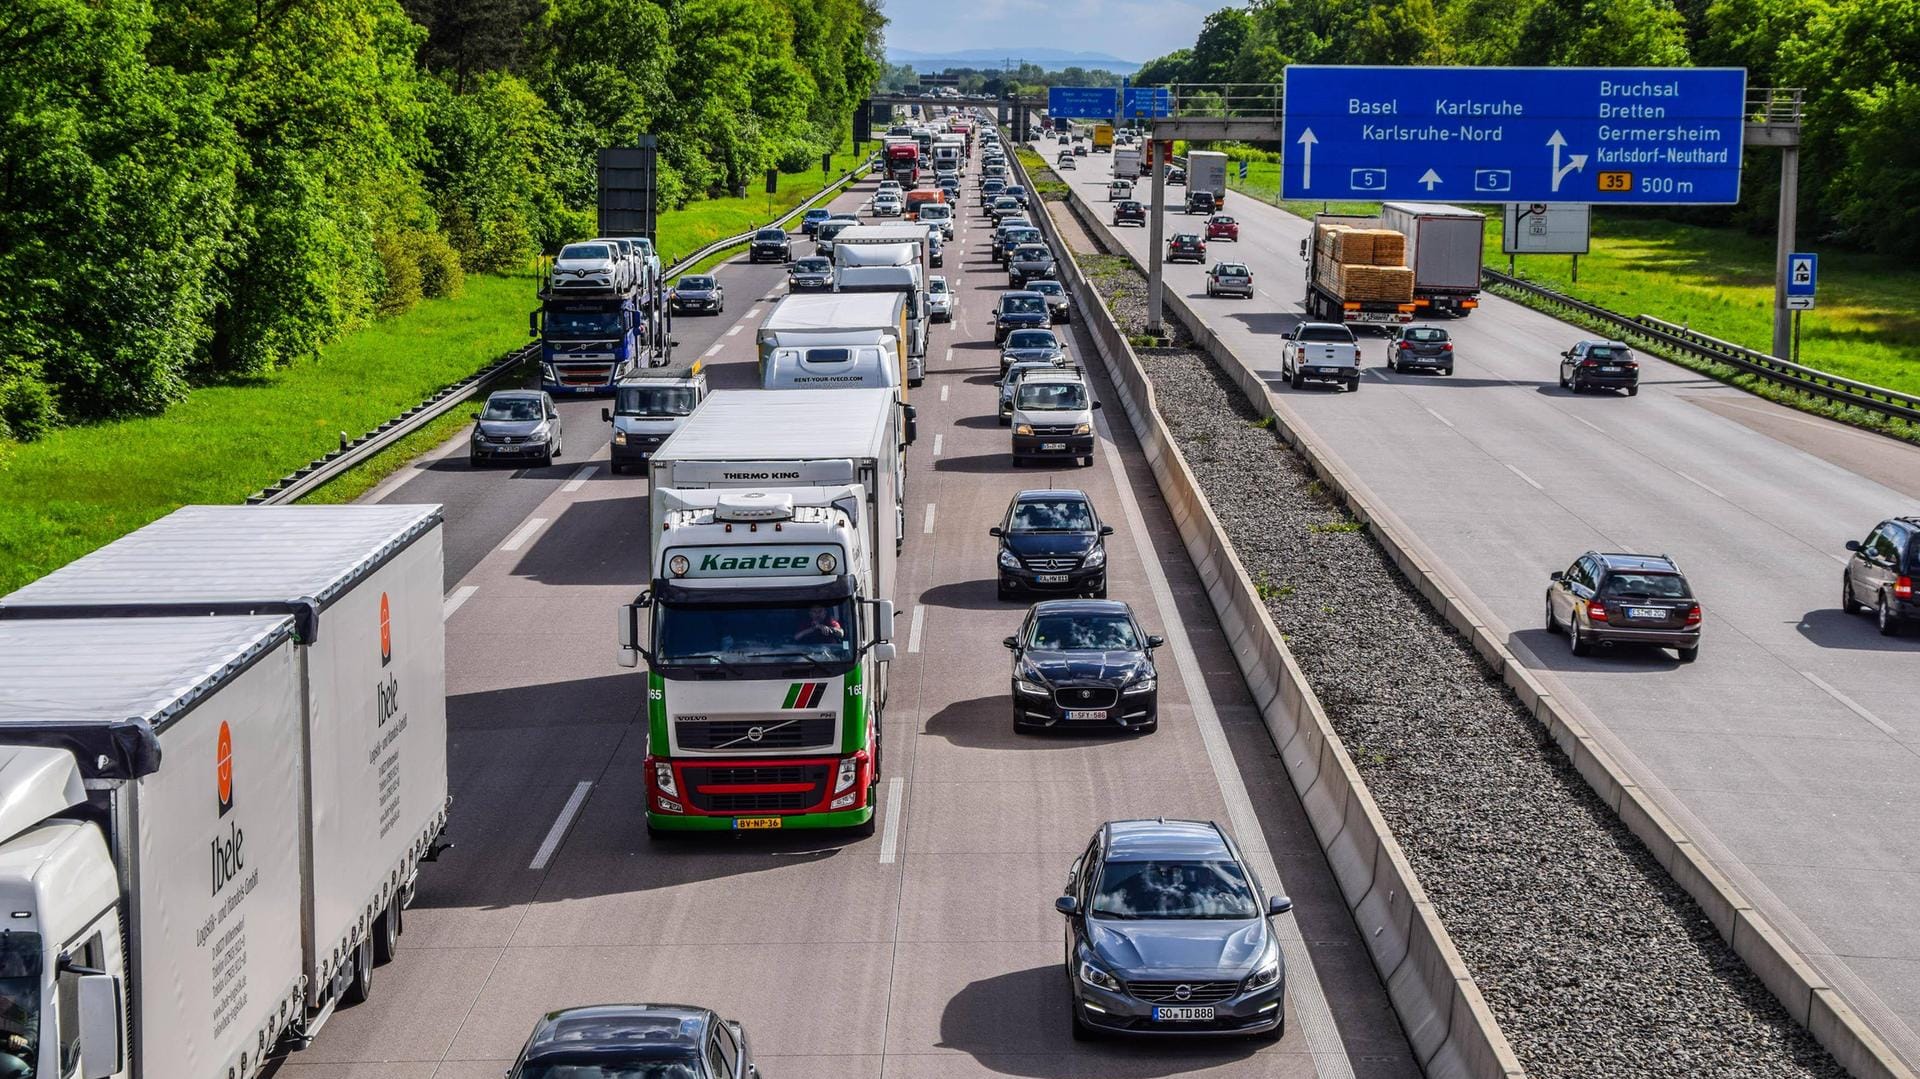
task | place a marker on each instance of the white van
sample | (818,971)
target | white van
(1053,417)
(649,406)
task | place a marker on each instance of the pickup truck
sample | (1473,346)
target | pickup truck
(1320,352)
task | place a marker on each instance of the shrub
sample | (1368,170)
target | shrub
(440,272)
(400,275)
(27,408)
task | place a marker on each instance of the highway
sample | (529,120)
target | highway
(930,949)
(1791,749)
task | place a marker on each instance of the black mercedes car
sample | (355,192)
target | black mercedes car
(1051,541)
(636,1041)
(769,245)
(1168,933)
(1019,310)
(1083,664)
(1031,344)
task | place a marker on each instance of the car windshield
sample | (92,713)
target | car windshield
(1424,333)
(1173,890)
(585,252)
(1186,238)
(512,408)
(585,324)
(770,234)
(1052,397)
(1222,219)
(696,284)
(687,1067)
(1083,631)
(1052,515)
(1326,333)
(818,215)
(1649,585)
(20,999)
(735,635)
(934,212)
(1130,207)
(937,284)
(1030,253)
(1232,269)
(1023,305)
(653,400)
(1049,288)
(811,264)
(1032,339)
(830,229)
(1608,353)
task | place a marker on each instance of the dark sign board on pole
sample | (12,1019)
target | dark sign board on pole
(773,181)
(863,122)
(627,190)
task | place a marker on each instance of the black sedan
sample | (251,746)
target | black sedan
(1027,262)
(1130,212)
(769,245)
(1051,541)
(635,1041)
(1019,310)
(1167,933)
(1085,664)
(1031,345)
(697,292)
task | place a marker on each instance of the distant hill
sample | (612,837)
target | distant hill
(1050,59)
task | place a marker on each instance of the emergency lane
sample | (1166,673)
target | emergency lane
(931,948)
(1789,748)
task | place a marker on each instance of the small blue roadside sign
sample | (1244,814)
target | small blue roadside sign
(1243,168)
(1803,278)
(1081,102)
(1147,101)
(1617,136)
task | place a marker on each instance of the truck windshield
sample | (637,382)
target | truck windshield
(19,1003)
(654,400)
(753,635)
(584,324)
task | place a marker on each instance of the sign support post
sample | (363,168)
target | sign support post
(1789,222)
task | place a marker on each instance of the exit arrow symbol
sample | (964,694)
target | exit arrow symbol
(1576,161)
(1429,179)
(1306,141)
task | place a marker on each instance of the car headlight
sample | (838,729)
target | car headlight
(1083,429)
(540,432)
(1030,687)
(1007,561)
(1266,974)
(1095,559)
(1144,685)
(1098,978)
(1023,429)
(663,779)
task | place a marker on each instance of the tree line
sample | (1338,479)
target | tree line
(197,190)
(1858,61)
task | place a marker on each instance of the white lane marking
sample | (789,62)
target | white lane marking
(927,528)
(890,831)
(1530,480)
(1593,425)
(937,440)
(1852,705)
(560,825)
(715,350)
(580,477)
(1303,982)
(943,392)
(454,602)
(753,313)
(913,631)
(737,327)
(949,363)
(523,534)
(1438,416)
(1698,484)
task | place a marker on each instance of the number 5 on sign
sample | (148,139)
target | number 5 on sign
(1616,181)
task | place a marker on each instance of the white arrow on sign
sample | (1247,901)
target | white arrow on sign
(1575,162)
(1306,141)
(1429,179)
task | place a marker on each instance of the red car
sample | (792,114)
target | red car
(1186,247)
(1223,227)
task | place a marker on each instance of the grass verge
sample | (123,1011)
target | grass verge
(1046,183)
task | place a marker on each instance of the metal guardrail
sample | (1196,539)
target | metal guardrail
(1775,104)
(320,471)
(1871,398)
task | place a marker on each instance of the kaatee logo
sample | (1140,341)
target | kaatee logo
(386,632)
(223,768)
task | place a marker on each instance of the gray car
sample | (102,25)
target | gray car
(1230,279)
(1167,933)
(516,425)
(1027,262)
(1421,348)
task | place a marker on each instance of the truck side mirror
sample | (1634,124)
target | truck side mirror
(630,650)
(606,414)
(1096,404)
(883,652)
(100,1049)
(883,620)
(1303,249)
(913,424)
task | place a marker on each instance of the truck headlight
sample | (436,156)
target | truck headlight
(619,437)
(1023,429)
(1083,429)
(663,779)
(849,771)
(1098,978)
(678,565)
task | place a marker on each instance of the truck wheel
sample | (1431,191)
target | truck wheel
(361,987)
(386,932)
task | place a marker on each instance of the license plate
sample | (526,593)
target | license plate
(747,823)
(1645,612)
(1089,715)
(1609,370)
(1052,578)
(1053,445)
(1182,1015)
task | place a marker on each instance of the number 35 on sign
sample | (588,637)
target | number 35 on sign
(1616,181)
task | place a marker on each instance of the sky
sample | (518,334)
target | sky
(1136,30)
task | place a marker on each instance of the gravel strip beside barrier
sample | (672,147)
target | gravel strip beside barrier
(1595,962)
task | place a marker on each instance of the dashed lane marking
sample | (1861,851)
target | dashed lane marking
(1851,704)
(580,477)
(890,831)
(1438,416)
(458,598)
(522,534)
(560,825)
(1530,480)
(927,527)
(913,632)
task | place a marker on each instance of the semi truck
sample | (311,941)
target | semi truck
(767,625)
(223,744)
(1207,171)
(950,152)
(903,160)
(1126,163)
(1445,249)
(831,340)
(589,342)
(1337,291)
(889,259)
(1103,138)
(648,406)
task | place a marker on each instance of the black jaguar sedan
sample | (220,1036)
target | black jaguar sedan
(1084,664)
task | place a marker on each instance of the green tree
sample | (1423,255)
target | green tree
(467,37)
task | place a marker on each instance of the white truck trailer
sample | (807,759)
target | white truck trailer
(360,589)
(1445,247)
(890,259)
(1207,171)
(832,340)
(768,622)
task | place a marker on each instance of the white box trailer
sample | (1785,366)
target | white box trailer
(1207,171)
(833,340)
(150,842)
(889,259)
(363,585)
(1445,247)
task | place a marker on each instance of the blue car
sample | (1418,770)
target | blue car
(812,218)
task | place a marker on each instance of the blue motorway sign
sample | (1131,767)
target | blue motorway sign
(1803,280)
(1146,101)
(1522,134)
(1081,102)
